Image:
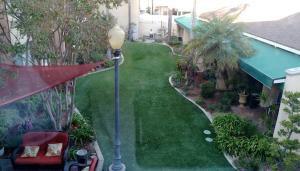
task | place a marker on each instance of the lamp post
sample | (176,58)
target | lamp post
(116,39)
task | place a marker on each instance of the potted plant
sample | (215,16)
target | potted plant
(243,98)
(264,100)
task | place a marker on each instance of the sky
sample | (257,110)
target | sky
(258,10)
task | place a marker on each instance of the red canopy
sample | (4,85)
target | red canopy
(23,81)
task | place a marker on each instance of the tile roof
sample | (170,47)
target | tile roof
(285,31)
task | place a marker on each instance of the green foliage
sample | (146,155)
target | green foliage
(209,74)
(109,63)
(174,41)
(61,31)
(239,138)
(231,96)
(289,127)
(82,132)
(200,101)
(230,125)
(220,42)
(178,79)
(97,56)
(72,152)
(213,107)
(208,89)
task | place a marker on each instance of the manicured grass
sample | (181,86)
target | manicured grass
(160,129)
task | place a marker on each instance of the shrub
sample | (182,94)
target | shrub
(96,56)
(181,65)
(209,75)
(208,89)
(178,79)
(231,96)
(175,41)
(229,124)
(224,105)
(82,132)
(239,138)
(108,64)
(200,101)
(213,107)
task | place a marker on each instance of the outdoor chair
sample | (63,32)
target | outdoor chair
(41,139)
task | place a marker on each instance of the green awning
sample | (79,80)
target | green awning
(268,63)
(186,22)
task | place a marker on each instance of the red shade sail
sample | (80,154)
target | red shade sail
(19,82)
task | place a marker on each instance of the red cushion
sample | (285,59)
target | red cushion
(41,159)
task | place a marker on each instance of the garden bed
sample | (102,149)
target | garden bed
(215,101)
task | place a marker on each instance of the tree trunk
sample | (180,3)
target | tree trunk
(220,82)
(169,24)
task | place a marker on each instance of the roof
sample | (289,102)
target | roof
(186,22)
(285,31)
(267,64)
(23,81)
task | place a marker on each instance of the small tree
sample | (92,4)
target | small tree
(58,32)
(289,127)
(220,43)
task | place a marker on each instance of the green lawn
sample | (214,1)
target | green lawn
(160,129)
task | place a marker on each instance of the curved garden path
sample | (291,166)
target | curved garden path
(161,130)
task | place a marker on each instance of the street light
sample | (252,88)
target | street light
(116,39)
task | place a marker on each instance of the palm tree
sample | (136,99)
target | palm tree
(220,43)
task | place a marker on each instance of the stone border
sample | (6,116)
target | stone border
(172,49)
(229,158)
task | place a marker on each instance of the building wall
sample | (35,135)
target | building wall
(292,83)
(155,22)
(186,36)
(122,16)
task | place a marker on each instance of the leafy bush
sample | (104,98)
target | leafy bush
(239,138)
(208,89)
(181,65)
(224,105)
(82,132)
(232,96)
(96,56)
(178,79)
(229,125)
(200,101)
(209,75)
(108,64)
(174,41)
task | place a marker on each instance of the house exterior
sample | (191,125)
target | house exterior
(276,62)
(126,14)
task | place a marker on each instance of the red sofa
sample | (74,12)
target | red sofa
(41,139)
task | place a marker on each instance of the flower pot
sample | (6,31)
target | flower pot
(2,151)
(242,99)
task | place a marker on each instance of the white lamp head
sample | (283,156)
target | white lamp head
(116,37)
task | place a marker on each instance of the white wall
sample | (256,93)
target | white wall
(292,83)
(122,16)
(155,22)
